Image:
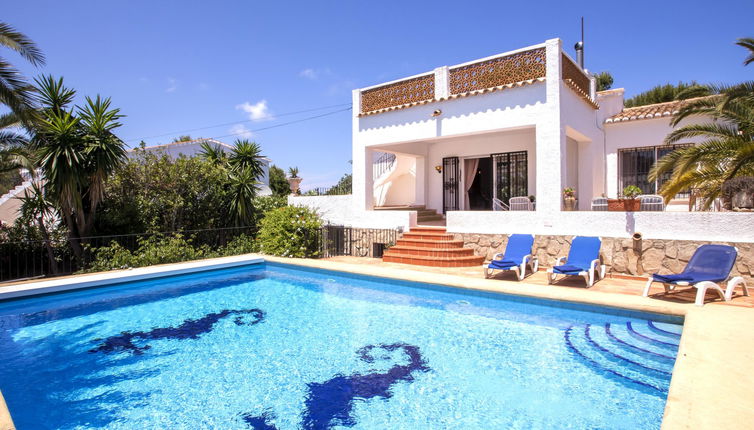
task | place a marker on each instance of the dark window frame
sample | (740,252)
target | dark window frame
(640,172)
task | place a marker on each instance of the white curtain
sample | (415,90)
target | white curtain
(469,172)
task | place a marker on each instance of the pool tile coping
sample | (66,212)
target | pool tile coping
(713,378)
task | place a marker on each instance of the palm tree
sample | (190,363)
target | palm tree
(15,92)
(727,147)
(247,155)
(37,208)
(747,43)
(213,153)
(77,151)
(243,190)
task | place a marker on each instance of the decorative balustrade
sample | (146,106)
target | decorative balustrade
(507,70)
(518,67)
(576,78)
(420,89)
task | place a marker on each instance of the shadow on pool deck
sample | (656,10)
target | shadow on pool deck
(610,284)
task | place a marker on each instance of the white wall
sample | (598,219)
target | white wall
(711,226)
(340,210)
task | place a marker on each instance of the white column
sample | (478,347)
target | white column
(420,171)
(550,136)
(362,181)
(442,82)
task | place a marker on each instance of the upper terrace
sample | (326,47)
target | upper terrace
(511,69)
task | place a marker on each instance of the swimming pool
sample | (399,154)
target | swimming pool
(272,346)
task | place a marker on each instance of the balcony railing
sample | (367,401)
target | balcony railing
(574,77)
(516,68)
(500,71)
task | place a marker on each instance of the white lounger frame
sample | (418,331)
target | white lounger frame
(595,268)
(702,287)
(520,269)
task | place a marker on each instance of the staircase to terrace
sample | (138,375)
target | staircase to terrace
(431,246)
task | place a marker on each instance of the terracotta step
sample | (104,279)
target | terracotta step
(430,229)
(425,218)
(427,235)
(437,252)
(420,260)
(430,243)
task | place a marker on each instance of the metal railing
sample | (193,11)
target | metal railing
(383,163)
(335,190)
(31,259)
(336,240)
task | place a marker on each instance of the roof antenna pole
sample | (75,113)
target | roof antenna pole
(580,46)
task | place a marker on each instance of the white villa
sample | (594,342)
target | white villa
(461,141)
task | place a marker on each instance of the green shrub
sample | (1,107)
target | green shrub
(152,250)
(290,231)
(242,244)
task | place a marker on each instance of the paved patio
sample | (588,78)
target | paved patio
(610,284)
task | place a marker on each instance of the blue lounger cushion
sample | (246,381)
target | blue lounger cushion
(567,269)
(502,264)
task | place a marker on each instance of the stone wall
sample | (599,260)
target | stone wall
(621,256)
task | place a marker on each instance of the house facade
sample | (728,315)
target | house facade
(456,144)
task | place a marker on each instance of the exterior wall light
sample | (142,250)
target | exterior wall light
(437,112)
(439,169)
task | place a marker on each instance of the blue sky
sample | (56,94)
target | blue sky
(178,65)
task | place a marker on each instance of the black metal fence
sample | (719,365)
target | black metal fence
(329,191)
(338,240)
(32,259)
(39,258)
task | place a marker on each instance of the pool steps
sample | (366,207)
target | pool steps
(636,354)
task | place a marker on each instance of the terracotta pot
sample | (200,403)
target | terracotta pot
(623,205)
(569,203)
(294,184)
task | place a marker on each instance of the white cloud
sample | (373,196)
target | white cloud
(309,74)
(240,130)
(257,112)
(172,85)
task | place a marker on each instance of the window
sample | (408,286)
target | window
(511,176)
(635,163)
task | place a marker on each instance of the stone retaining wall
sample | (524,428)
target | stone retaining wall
(620,255)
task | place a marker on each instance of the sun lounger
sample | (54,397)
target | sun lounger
(708,268)
(583,260)
(516,257)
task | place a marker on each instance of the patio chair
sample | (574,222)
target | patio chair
(583,260)
(519,204)
(651,202)
(708,268)
(516,257)
(599,204)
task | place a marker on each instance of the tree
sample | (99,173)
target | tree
(668,93)
(77,151)
(727,148)
(15,92)
(748,44)
(342,187)
(278,183)
(35,208)
(604,81)
(182,138)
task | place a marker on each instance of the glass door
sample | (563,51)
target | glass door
(510,170)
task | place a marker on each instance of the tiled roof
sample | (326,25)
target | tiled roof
(657,110)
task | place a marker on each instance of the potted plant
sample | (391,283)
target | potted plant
(293,180)
(627,202)
(569,199)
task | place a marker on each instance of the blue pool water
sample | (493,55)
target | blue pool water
(274,347)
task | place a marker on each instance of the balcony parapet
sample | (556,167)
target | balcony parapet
(503,71)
